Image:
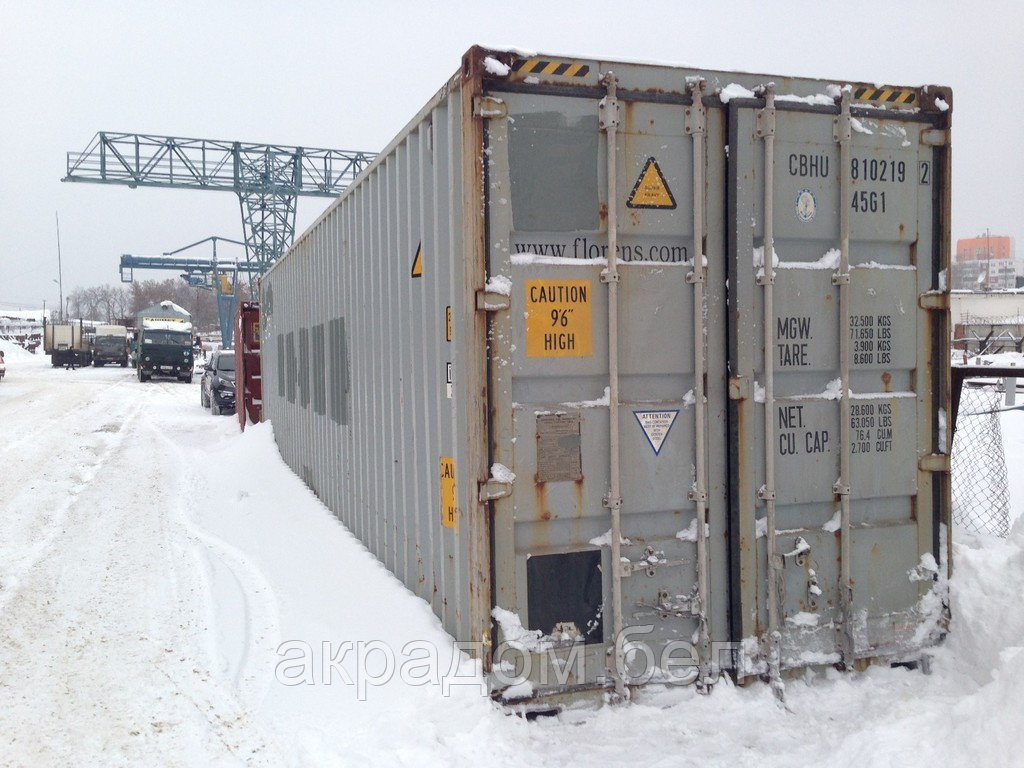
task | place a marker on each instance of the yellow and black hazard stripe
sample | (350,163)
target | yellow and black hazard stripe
(545,67)
(885,95)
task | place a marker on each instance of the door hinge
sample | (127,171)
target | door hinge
(934,462)
(764,119)
(739,388)
(935,137)
(937,300)
(489,107)
(696,116)
(490,490)
(608,113)
(491,301)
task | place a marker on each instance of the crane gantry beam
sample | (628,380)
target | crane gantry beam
(267,178)
(212,273)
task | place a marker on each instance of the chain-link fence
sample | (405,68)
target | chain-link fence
(981,497)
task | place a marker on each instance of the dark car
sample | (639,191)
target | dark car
(217,386)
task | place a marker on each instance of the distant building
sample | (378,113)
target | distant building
(985,264)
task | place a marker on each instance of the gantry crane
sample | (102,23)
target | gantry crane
(217,275)
(266,177)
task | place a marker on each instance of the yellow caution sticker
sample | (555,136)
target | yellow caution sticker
(449,511)
(417,262)
(885,94)
(651,190)
(538,66)
(559,318)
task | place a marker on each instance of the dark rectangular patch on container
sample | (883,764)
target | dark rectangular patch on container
(318,371)
(339,374)
(280,366)
(566,589)
(290,341)
(559,457)
(304,367)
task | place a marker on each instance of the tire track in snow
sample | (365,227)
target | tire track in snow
(252,640)
(48,526)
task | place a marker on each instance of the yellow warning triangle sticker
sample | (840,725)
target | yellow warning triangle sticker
(417,262)
(651,190)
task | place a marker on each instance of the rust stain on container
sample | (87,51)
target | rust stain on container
(887,381)
(540,492)
(579,497)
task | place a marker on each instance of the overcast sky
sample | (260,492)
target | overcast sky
(349,75)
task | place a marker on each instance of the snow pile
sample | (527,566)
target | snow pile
(153,633)
(605,540)
(15,353)
(735,91)
(499,284)
(502,474)
(527,258)
(833,390)
(516,635)
(689,533)
(495,67)
(830,260)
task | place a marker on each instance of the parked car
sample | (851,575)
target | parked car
(3,366)
(217,386)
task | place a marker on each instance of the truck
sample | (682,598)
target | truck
(65,343)
(164,345)
(110,345)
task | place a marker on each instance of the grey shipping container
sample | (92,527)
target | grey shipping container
(566,397)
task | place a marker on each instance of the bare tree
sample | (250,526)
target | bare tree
(113,303)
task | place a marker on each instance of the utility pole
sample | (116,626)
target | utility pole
(60,269)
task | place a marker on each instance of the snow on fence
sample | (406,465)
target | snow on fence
(981,499)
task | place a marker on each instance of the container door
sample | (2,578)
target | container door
(845,453)
(547,203)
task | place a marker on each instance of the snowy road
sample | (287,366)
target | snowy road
(153,561)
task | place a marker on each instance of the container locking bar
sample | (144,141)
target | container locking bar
(765,129)
(608,111)
(696,126)
(843,135)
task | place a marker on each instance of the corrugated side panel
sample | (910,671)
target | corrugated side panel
(357,361)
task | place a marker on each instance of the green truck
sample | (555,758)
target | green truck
(164,346)
(110,345)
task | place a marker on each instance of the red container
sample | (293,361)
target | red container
(248,380)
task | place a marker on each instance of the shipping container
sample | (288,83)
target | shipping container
(248,379)
(66,343)
(537,359)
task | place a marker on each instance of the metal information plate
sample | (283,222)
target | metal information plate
(558,448)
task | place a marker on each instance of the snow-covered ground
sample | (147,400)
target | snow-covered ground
(153,562)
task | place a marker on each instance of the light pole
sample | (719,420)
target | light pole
(60,270)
